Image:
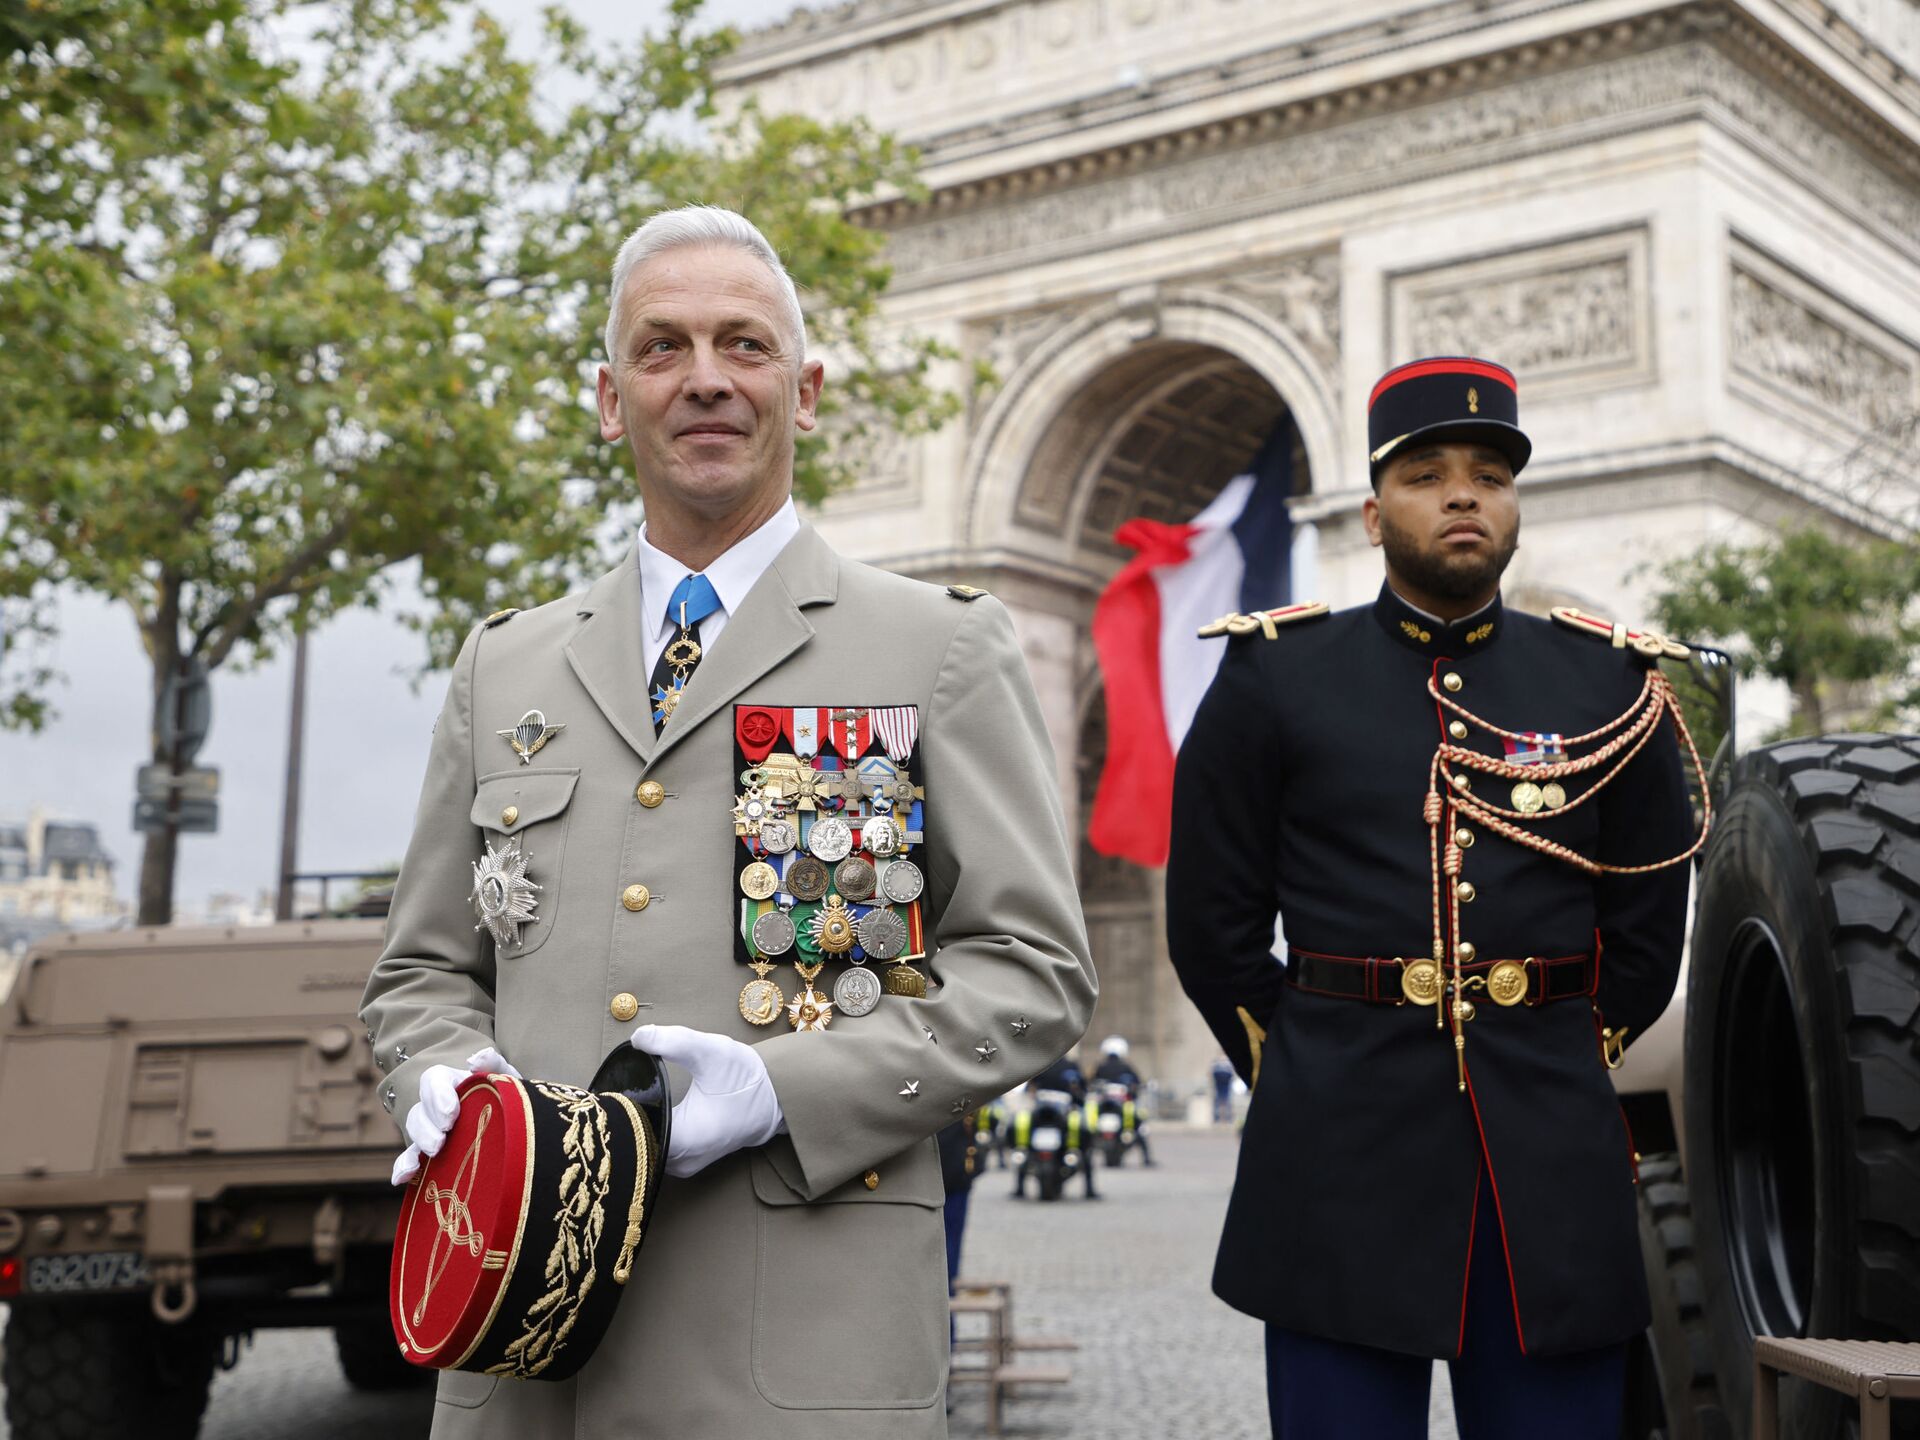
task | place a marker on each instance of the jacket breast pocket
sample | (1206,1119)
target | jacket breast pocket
(850,1290)
(526,812)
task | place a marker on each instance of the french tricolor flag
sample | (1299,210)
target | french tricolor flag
(1237,554)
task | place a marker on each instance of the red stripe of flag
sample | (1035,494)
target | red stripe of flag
(1133,808)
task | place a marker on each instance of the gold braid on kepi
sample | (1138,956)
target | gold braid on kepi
(1450,799)
(516,1241)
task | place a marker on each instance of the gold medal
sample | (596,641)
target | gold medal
(1527,798)
(809,1010)
(1420,981)
(759,880)
(760,998)
(684,653)
(832,927)
(903,979)
(1507,983)
(1553,794)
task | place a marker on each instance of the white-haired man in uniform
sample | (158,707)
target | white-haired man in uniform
(793,1281)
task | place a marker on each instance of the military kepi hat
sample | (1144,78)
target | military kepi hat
(516,1241)
(1445,397)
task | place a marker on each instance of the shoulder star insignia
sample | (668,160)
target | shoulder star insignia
(500,617)
(965,592)
(910,1090)
(1022,1025)
(986,1050)
(1265,621)
(1650,643)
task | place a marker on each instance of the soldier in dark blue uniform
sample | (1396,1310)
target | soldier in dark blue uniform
(1473,824)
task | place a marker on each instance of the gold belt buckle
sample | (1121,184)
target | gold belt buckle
(1507,982)
(1420,981)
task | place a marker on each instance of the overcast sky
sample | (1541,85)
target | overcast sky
(367,731)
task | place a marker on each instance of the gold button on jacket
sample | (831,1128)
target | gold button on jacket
(650,793)
(509,815)
(636,897)
(624,1007)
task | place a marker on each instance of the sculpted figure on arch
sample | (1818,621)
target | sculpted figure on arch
(1473,824)
(744,790)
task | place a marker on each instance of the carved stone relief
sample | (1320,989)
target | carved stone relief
(1303,294)
(886,466)
(1574,311)
(1792,336)
(1468,129)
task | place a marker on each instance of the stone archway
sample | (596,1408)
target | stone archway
(1155,432)
(1038,455)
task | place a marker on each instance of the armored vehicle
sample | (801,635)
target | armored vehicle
(1776,1105)
(191,1149)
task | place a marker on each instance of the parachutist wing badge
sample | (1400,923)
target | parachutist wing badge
(528,734)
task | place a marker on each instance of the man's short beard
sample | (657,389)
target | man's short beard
(1434,572)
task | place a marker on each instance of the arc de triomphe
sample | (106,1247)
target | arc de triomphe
(1692,229)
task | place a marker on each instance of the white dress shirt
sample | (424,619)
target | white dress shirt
(732,575)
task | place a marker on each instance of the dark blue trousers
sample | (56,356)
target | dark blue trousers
(1321,1389)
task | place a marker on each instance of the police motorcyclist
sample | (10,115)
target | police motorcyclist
(1117,1068)
(1065,1076)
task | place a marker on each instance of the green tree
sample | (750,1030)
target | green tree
(280,328)
(1809,609)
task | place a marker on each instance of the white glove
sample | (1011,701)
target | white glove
(731,1104)
(439,1106)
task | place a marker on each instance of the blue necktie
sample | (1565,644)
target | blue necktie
(692,601)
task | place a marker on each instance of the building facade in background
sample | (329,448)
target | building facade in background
(54,875)
(1692,230)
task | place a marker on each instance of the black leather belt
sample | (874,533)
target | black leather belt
(1378,979)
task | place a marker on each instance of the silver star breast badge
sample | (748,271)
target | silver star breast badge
(502,895)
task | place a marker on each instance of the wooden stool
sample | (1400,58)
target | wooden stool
(1876,1372)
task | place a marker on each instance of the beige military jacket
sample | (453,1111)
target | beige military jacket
(797,1290)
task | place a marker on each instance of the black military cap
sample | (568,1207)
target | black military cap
(1446,397)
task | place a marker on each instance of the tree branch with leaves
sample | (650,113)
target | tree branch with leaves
(271,331)
(1820,613)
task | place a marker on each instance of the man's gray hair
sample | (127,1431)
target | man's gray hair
(701,225)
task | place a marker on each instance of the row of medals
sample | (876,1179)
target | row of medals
(1530,799)
(834,929)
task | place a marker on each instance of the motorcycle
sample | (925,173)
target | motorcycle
(1115,1120)
(1046,1144)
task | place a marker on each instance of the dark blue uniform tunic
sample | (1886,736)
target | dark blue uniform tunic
(1300,790)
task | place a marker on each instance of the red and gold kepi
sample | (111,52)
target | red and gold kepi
(517,1239)
(1446,397)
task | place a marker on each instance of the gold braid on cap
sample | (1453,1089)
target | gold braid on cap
(1450,798)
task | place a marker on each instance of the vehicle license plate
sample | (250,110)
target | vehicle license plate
(1047,1137)
(73,1274)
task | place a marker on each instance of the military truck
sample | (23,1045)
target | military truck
(191,1149)
(1776,1105)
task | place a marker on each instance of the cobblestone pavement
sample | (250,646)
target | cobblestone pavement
(1127,1276)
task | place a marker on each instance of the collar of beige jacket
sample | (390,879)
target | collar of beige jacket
(605,651)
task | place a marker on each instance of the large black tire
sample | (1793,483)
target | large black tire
(371,1360)
(104,1372)
(1672,1393)
(1802,1062)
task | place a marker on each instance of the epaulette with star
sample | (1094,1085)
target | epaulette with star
(1267,622)
(1650,643)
